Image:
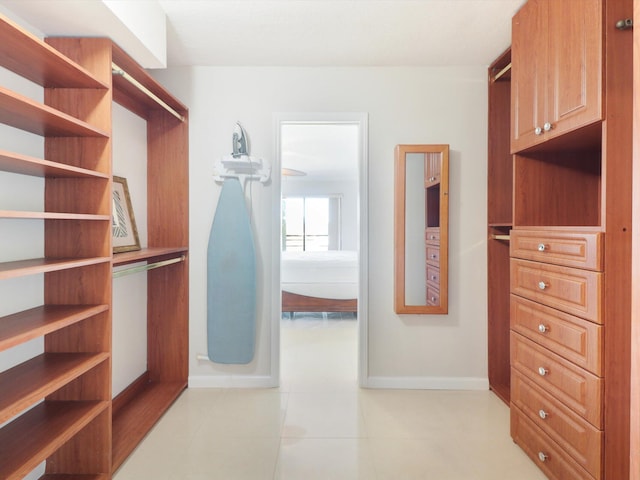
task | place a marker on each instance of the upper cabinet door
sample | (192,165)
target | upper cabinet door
(556,77)
(528,73)
(575,64)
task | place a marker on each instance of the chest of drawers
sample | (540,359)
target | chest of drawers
(557,331)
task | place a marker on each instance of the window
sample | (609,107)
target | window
(311,224)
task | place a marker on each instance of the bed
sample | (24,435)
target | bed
(320,281)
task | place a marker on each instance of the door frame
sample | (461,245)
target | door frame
(360,119)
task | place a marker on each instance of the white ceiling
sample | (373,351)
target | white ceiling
(296,32)
(337,32)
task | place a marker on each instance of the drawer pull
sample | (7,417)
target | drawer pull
(541,247)
(433,299)
(543,414)
(542,456)
(542,371)
(433,255)
(538,131)
(432,237)
(433,277)
(542,328)
(542,285)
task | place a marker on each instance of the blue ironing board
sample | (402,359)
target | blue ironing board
(231,280)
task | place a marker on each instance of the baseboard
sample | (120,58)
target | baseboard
(428,383)
(231,381)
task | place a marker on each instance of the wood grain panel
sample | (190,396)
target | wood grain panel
(573,338)
(571,290)
(574,386)
(571,248)
(579,438)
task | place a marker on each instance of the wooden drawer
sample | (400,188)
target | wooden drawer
(578,437)
(575,387)
(575,339)
(433,275)
(433,295)
(546,454)
(432,235)
(572,249)
(571,290)
(433,255)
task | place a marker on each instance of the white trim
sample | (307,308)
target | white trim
(360,119)
(429,383)
(230,381)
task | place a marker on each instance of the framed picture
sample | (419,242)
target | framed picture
(123,223)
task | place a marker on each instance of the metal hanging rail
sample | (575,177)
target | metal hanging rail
(116,70)
(502,72)
(149,266)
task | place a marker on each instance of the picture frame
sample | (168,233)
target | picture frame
(124,232)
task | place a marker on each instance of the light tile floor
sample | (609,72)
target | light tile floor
(320,425)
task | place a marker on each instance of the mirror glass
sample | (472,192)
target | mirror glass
(421,228)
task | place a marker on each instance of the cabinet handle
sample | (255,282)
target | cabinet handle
(433,277)
(432,237)
(542,456)
(433,299)
(543,414)
(542,285)
(542,328)
(433,255)
(538,131)
(541,247)
(547,126)
(542,371)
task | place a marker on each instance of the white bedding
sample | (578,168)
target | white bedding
(330,274)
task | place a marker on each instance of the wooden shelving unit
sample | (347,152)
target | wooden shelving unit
(59,405)
(499,224)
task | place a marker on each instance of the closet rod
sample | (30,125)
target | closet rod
(500,237)
(149,266)
(502,72)
(116,70)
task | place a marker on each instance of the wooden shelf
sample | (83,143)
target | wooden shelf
(31,381)
(36,322)
(133,420)
(133,98)
(147,254)
(35,435)
(42,265)
(25,54)
(52,215)
(21,112)
(59,476)
(36,167)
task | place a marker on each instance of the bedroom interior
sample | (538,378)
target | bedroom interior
(319,270)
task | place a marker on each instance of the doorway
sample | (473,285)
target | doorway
(321,228)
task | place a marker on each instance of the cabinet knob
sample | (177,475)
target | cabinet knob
(542,285)
(433,277)
(542,371)
(433,255)
(433,299)
(541,247)
(542,456)
(542,328)
(432,237)
(538,131)
(547,126)
(543,415)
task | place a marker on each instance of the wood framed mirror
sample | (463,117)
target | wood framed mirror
(421,229)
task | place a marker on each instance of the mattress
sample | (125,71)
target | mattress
(330,274)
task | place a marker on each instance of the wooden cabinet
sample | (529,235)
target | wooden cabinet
(557,348)
(557,69)
(74,424)
(571,241)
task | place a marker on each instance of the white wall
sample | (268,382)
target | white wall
(405,105)
(348,190)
